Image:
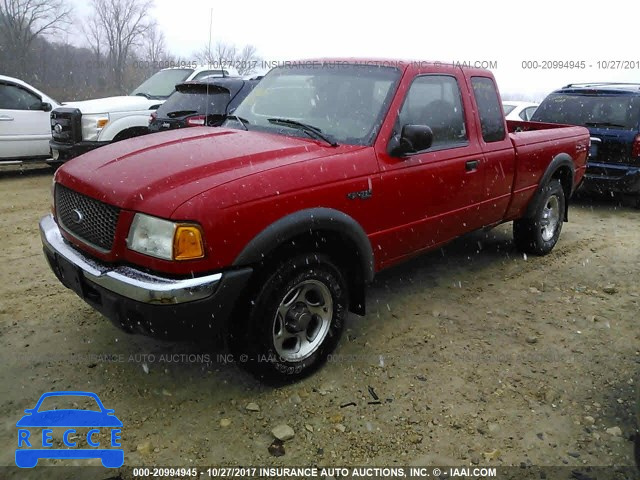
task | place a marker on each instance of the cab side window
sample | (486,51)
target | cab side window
(435,101)
(491,119)
(16,98)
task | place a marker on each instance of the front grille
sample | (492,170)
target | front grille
(66,125)
(88,219)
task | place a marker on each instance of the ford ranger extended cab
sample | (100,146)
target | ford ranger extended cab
(328,172)
(77,127)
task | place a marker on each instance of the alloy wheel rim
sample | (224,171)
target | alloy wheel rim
(550,218)
(302,320)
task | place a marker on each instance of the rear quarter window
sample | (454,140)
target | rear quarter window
(489,109)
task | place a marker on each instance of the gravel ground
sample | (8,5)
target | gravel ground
(477,356)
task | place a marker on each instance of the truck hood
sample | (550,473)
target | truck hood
(125,103)
(157,173)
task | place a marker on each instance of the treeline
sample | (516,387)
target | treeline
(124,46)
(68,73)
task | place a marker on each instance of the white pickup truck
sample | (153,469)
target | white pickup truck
(77,127)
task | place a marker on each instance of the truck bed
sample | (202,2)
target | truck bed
(532,160)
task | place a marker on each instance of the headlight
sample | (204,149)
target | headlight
(93,124)
(164,239)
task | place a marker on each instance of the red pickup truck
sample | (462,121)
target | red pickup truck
(327,173)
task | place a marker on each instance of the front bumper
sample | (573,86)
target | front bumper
(607,177)
(61,152)
(140,302)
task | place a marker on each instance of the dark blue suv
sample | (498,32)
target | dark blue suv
(611,112)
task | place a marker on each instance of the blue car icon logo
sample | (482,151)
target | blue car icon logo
(32,447)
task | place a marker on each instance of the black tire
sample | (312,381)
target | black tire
(259,321)
(540,233)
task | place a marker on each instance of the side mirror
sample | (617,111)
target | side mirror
(46,107)
(413,139)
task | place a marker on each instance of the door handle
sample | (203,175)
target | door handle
(6,118)
(472,165)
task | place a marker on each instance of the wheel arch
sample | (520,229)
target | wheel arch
(117,126)
(131,132)
(321,229)
(561,168)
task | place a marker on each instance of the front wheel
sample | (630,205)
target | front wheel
(294,319)
(540,233)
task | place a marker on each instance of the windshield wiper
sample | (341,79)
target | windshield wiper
(240,120)
(310,130)
(604,124)
(145,95)
(181,113)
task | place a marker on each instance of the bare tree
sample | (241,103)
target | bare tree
(224,54)
(22,21)
(227,55)
(205,55)
(220,55)
(154,46)
(93,32)
(123,23)
(247,60)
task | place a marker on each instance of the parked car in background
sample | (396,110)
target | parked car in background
(611,112)
(200,103)
(24,121)
(516,110)
(269,228)
(77,127)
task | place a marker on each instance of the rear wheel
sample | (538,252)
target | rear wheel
(540,233)
(293,321)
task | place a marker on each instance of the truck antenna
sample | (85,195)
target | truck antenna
(210,30)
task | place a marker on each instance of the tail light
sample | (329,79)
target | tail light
(635,150)
(152,117)
(197,121)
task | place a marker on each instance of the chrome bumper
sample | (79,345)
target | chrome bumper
(126,281)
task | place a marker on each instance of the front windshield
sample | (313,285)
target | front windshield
(163,83)
(346,102)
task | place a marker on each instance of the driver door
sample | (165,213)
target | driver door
(430,195)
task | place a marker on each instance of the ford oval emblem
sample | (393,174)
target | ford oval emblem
(58,128)
(77,216)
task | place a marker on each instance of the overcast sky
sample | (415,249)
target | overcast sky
(449,31)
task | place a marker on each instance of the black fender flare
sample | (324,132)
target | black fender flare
(559,161)
(307,221)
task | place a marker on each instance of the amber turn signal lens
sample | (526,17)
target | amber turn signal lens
(102,122)
(187,243)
